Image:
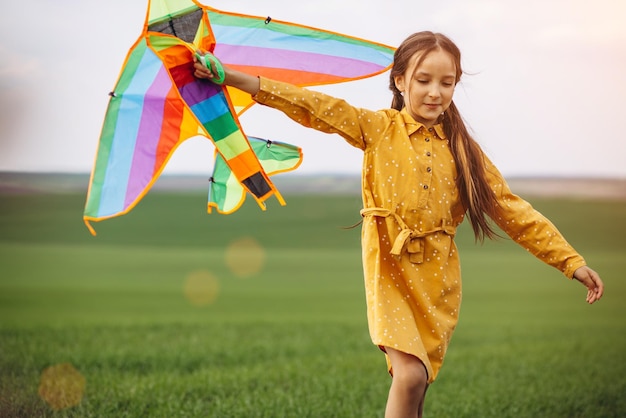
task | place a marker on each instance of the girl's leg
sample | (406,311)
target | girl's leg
(420,410)
(408,387)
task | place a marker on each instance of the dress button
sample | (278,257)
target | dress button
(425,186)
(428,154)
(429,169)
(427,139)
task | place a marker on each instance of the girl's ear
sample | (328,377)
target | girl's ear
(399,82)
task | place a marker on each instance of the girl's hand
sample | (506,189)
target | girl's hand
(591,280)
(230,77)
(201,70)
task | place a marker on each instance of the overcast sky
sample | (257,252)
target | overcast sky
(544,92)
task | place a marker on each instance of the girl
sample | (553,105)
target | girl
(422,172)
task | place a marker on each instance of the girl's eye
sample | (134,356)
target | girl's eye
(448,84)
(422,81)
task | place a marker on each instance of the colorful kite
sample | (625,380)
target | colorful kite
(157,103)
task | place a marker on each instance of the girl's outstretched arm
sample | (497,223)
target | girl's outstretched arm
(309,108)
(242,81)
(591,280)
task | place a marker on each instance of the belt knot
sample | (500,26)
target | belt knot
(409,238)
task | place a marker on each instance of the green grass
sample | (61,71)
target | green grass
(290,341)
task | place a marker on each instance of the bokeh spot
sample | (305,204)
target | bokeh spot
(61,386)
(245,257)
(201,288)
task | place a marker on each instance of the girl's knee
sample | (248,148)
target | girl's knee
(408,370)
(412,376)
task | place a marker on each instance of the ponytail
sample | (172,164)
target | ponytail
(474,189)
(398,99)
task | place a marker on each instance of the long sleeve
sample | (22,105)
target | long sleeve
(531,229)
(320,111)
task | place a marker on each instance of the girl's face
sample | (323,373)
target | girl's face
(428,88)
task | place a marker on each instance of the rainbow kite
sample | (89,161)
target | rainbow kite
(157,103)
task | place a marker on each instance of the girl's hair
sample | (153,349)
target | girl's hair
(476,194)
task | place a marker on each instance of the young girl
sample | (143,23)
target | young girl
(422,172)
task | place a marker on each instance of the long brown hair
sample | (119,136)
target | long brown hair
(476,194)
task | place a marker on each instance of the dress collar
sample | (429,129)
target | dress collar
(413,126)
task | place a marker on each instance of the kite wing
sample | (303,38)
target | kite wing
(293,53)
(145,120)
(157,103)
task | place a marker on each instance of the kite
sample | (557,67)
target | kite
(157,103)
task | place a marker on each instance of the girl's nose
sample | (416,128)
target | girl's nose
(434,92)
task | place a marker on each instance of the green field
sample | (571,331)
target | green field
(290,340)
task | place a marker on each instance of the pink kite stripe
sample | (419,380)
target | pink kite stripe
(144,155)
(294,60)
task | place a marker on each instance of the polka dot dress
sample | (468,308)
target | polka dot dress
(411,209)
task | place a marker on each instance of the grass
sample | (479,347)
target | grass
(290,340)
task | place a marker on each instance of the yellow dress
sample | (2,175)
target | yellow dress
(411,209)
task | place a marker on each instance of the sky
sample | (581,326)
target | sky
(543,92)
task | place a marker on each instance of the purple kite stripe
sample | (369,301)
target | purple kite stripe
(198,91)
(294,60)
(144,155)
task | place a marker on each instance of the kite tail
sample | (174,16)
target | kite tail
(279,197)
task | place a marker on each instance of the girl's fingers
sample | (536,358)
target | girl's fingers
(593,295)
(591,280)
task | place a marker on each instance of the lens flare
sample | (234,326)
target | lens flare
(61,386)
(245,257)
(201,288)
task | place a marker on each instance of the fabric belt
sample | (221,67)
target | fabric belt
(412,239)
